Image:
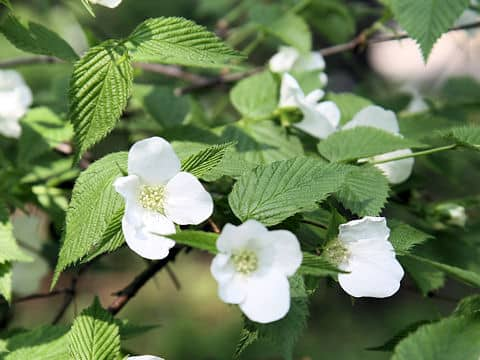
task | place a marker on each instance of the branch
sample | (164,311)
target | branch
(126,294)
(172,71)
(42,295)
(30,60)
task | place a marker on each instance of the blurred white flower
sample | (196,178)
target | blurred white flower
(144,357)
(458,216)
(417,104)
(252,269)
(15,99)
(365,253)
(157,196)
(396,171)
(290,59)
(108,3)
(320,119)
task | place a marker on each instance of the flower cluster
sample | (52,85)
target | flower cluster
(15,99)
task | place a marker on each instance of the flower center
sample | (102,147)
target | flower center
(336,252)
(151,198)
(245,262)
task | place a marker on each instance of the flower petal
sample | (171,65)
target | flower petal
(233,291)
(153,160)
(221,268)
(127,186)
(290,92)
(108,3)
(367,228)
(310,62)
(287,253)
(10,126)
(268,297)
(186,200)
(396,171)
(284,59)
(237,237)
(377,117)
(319,120)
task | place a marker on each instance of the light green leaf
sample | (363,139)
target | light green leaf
(349,104)
(35,38)
(292,30)
(94,335)
(6,281)
(451,338)
(203,162)
(468,136)
(425,277)
(274,192)
(256,96)
(99,90)
(364,191)
(9,250)
(391,343)
(469,306)
(317,266)
(174,40)
(6,3)
(94,206)
(197,239)
(404,237)
(427,20)
(362,142)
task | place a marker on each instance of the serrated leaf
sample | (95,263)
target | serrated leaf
(7,4)
(292,30)
(6,281)
(317,266)
(9,250)
(99,89)
(94,206)
(404,237)
(451,338)
(469,306)
(468,277)
(206,160)
(271,193)
(427,20)
(197,239)
(94,335)
(468,136)
(43,343)
(174,40)
(364,190)
(35,38)
(362,142)
(349,104)
(129,330)
(255,96)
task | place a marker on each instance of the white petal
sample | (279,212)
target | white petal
(287,252)
(145,243)
(186,200)
(237,237)
(10,126)
(268,297)
(290,92)
(233,291)
(127,186)
(377,117)
(396,171)
(372,275)
(283,60)
(314,96)
(222,269)
(157,223)
(323,79)
(367,228)
(108,3)
(319,120)
(144,357)
(310,62)
(153,160)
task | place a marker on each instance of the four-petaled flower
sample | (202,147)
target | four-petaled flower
(364,252)
(15,98)
(252,269)
(108,3)
(320,119)
(375,116)
(157,196)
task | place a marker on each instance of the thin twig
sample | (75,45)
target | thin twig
(173,277)
(126,294)
(29,60)
(42,295)
(172,71)
(214,226)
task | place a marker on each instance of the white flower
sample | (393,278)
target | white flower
(458,216)
(252,269)
(144,357)
(157,196)
(319,119)
(363,250)
(375,116)
(15,98)
(108,3)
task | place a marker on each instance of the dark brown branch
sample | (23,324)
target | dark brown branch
(29,60)
(126,294)
(173,71)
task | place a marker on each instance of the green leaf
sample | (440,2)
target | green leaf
(174,40)
(94,335)
(391,343)
(427,20)
(7,4)
(292,30)
(99,90)
(468,277)
(197,239)
(404,237)
(317,266)
(6,281)
(256,96)
(362,142)
(203,162)
(425,277)
(9,250)
(469,306)
(274,192)
(36,39)
(349,104)
(468,136)
(43,343)
(42,127)
(364,191)
(94,206)
(451,338)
